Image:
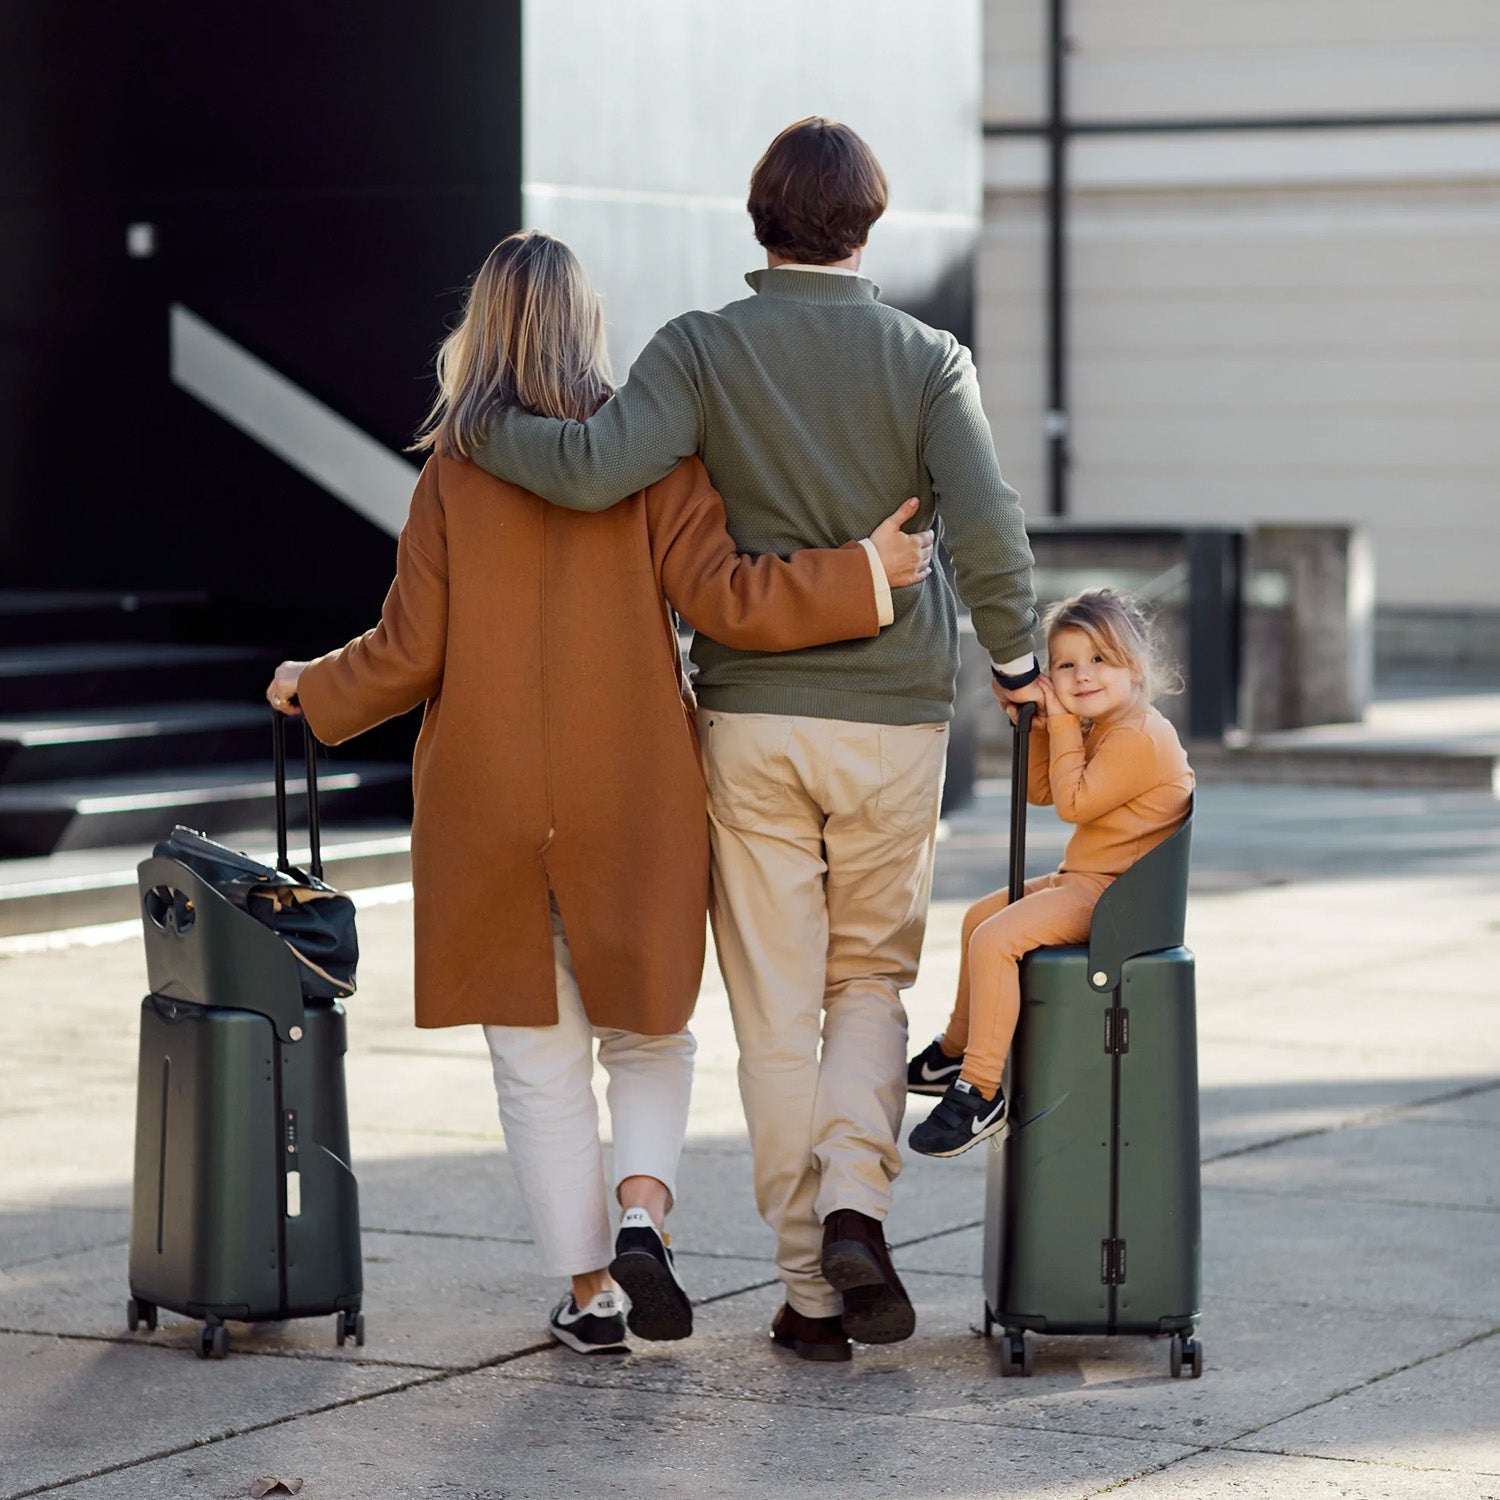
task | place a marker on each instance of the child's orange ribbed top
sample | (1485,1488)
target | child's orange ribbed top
(1125,784)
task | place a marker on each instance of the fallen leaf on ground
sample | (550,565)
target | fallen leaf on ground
(272,1484)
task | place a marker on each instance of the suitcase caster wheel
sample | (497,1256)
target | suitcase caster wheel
(1186,1354)
(138,1312)
(213,1341)
(1015,1353)
(350,1325)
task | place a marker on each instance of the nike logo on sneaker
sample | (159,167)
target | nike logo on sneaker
(977,1124)
(930,1076)
(604,1305)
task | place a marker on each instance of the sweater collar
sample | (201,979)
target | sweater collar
(789,284)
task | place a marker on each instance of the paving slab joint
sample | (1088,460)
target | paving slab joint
(1363,1385)
(1370,1117)
(438,1377)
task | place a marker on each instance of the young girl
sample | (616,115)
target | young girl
(1114,768)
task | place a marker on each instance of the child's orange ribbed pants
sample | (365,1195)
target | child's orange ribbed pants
(1054,910)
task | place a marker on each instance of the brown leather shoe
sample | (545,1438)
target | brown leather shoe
(810,1338)
(856,1262)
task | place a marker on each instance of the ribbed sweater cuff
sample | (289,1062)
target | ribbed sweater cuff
(885,609)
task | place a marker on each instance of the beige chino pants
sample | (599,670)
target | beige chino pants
(822,835)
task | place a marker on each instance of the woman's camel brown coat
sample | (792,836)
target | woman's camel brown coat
(557,748)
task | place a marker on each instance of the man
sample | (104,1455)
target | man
(812,405)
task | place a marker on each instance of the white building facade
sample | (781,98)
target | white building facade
(1298,323)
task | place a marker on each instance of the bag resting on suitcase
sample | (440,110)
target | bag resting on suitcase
(244,1204)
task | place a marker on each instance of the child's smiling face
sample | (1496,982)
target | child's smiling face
(1086,684)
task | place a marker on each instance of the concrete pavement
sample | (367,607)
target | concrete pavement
(1349,964)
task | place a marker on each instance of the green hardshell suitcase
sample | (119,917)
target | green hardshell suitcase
(1092,1203)
(244,1204)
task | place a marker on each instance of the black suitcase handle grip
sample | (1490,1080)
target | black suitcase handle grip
(310,755)
(1020,762)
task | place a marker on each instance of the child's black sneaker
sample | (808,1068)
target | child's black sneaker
(644,1265)
(598,1328)
(963,1118)
(932,1070)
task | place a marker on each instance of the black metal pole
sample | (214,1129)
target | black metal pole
(1056,420)
(1213,631)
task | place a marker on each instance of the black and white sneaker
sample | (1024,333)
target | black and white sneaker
(963,1118)
(645,1267)
(598,1329)
(932,1070)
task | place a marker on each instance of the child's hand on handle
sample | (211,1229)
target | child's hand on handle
(1031,693)
(1051,703)
(282,693)
(906,557)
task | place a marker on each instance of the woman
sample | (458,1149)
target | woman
(560,843)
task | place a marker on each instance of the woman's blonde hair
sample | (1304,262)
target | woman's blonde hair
(532,335)
(1121,634)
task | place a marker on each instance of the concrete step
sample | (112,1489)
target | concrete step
(1423,733)
(1437,768)
(104,741)
(39,617)
(75,675)
(88,887)
(57,815)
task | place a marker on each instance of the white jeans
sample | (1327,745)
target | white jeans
(543,1082)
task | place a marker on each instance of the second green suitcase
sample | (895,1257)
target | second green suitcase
(1092,1204)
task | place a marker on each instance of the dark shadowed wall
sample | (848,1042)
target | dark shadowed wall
(317,181)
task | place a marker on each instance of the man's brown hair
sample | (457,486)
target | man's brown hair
(815,193)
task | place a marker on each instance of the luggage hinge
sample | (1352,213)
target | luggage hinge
(1112,1262)
(1116,1029)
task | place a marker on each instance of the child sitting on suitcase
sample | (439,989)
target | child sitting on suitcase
(1113,767)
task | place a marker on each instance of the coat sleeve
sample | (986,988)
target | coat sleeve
(768,603)
(1039,755)
(1124,766)
(399,663)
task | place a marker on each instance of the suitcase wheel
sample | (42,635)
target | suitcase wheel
(138,1312)
(350,1325)
(1186,1355)
(1015,1353)
(213,1341)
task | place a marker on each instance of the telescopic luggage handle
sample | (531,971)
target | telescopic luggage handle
(1020,761)
(310,754)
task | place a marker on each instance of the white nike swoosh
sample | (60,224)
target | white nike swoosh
(976,1124)
(928,1076)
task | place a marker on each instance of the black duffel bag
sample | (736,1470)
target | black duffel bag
(315,921)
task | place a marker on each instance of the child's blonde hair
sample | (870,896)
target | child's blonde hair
(1121,633)
(532,335)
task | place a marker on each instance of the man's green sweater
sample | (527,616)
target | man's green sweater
(817,410)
